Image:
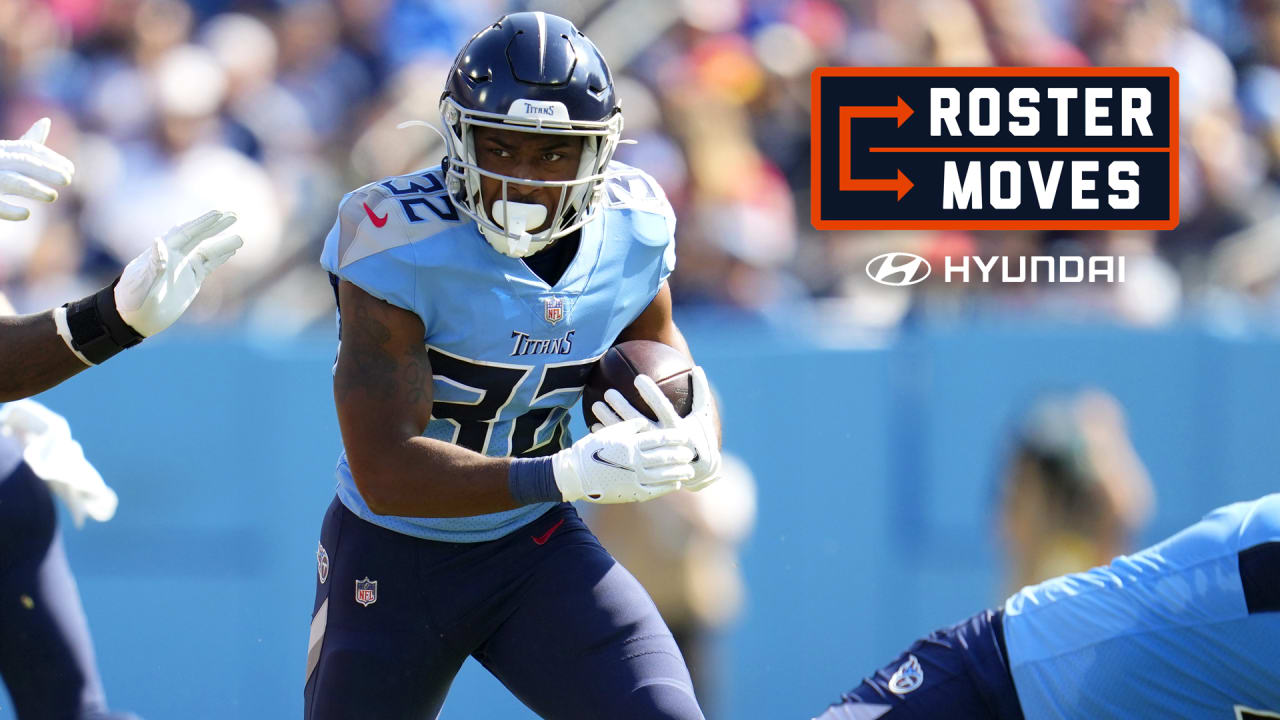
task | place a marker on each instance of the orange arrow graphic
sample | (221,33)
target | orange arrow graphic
(901,111)
(900,184)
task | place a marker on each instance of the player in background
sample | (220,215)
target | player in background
(474,298)
(1074,492)
(1187,628)
(46,655)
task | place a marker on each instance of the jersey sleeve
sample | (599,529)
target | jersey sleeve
(668,265)
(656,225)
(369,247)
(652,220)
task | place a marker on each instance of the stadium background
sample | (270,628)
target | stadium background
(876,421)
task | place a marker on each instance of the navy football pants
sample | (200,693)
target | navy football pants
(46,656)
(958,673)
(567,629)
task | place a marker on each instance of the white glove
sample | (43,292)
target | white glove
(57,459)
(700,423)
(28,169)
(628,462)
(158,285)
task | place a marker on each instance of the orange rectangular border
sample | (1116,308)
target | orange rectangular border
(815,145)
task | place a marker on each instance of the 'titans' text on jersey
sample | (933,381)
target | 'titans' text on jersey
(509,353)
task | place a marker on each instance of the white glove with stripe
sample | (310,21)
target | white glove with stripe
(700,424)
(627,462)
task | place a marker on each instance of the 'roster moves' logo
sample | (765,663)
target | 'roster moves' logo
(995,148)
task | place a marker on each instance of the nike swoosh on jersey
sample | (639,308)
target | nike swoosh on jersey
(377,221)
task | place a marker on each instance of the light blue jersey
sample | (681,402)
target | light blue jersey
(1189,628)
(509,353)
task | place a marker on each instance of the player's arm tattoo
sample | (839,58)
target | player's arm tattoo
(365,347)
(33,357)
(417,380)
(383,370)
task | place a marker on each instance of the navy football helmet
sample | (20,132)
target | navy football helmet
(529,72)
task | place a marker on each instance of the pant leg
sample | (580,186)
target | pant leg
(583,638)
(376,654)
(46,654)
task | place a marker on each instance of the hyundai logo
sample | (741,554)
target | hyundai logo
(898,269)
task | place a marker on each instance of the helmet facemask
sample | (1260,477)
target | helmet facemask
(504,224)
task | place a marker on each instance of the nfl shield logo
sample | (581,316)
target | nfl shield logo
(553,309)
(366,591)
(322,562)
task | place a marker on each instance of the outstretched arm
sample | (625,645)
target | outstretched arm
(33,358)
(40,351)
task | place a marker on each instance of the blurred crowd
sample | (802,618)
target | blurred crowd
(276,108)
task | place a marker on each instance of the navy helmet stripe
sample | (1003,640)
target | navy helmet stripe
(542,41)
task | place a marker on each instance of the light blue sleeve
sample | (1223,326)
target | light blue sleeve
(669,254)
(1166,632)
(651,222)
(370,247)
(665,235)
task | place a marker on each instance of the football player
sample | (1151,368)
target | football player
(473,299)
(46,655)
(1188,628)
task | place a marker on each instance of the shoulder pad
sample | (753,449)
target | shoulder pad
(392,212)
(630,188)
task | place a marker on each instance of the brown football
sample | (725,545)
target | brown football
(668,367)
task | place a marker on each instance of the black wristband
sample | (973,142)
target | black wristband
(97,330)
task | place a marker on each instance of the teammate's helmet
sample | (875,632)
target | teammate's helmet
(529,72)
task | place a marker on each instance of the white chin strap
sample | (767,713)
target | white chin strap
(515,218)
